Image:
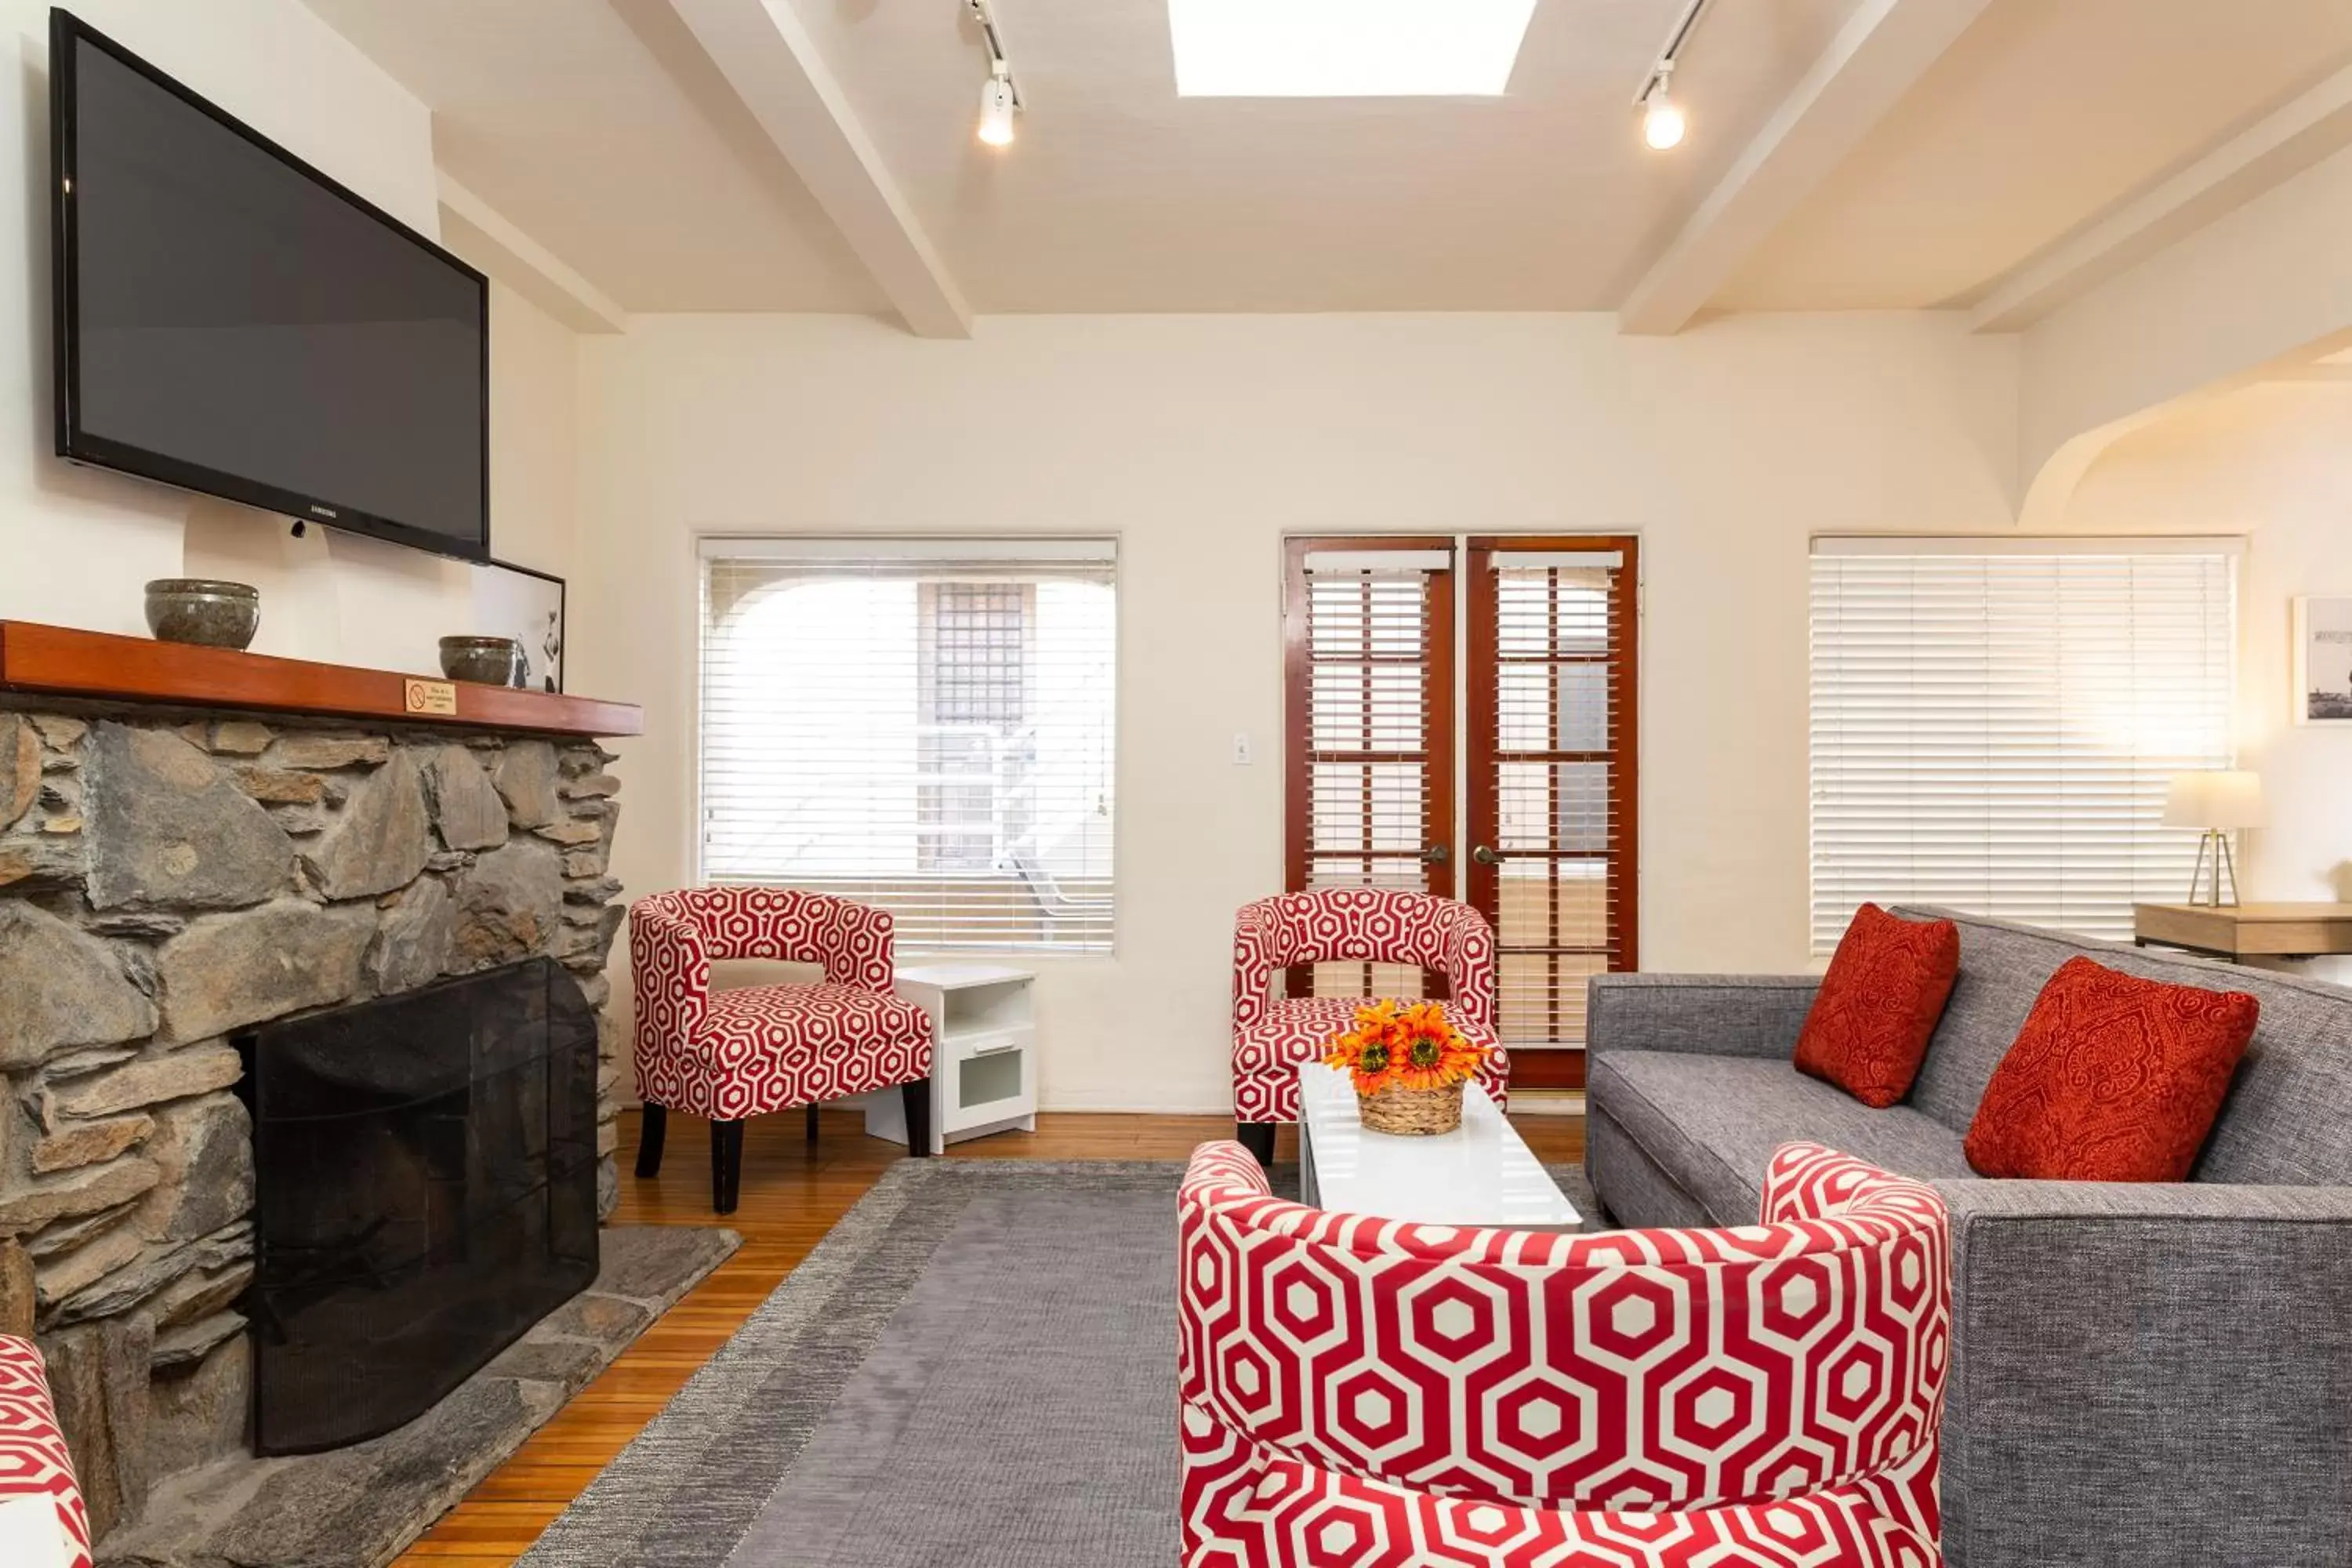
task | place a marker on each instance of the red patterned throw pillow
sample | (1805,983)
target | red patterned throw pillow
(1886,988)
(2113,1079)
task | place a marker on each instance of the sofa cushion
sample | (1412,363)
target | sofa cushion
(1711,1124)
(2003,970)
(1878,1004)
(1640,1196)
(2288,1118)
(2113,1079)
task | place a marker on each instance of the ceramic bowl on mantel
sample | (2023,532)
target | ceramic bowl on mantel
(204,612)
(491,661)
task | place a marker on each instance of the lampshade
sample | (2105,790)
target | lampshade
(2220,798)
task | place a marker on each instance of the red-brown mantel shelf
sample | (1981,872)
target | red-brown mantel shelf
(100,666)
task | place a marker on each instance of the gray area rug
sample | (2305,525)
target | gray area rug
(361,1507)
(975,1367)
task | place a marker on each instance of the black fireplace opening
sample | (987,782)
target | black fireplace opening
(425,1173)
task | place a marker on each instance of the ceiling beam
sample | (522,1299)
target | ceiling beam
(1885,48)
(2282,144)
(2335,374)
(768,57)
(480,233)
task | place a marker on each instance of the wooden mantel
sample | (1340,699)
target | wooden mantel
(98,666)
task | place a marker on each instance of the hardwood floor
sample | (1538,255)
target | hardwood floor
(793,1192)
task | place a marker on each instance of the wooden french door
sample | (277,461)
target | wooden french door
(1368,635)
(1552,717)
(1544,699)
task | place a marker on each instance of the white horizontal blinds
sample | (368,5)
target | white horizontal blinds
(925,727)
(1994,731)
(1371,665)
(1553,743)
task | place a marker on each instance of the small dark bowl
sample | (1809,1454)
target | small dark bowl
(492,661)
(207,614)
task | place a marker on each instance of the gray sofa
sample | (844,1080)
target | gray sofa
(2142,1374)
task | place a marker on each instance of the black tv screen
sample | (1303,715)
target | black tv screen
(231,321)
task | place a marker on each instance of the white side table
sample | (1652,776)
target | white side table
(983,1054)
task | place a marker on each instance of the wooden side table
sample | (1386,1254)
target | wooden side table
(2235,931)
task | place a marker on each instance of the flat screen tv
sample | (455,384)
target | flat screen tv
(231,321)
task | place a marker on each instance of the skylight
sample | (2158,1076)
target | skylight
(1346,48)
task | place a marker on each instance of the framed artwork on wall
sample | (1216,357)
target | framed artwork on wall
(516,602)
(2323,660)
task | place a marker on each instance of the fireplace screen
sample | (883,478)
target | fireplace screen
(427,1173)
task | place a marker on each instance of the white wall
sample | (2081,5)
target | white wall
(1200,441)
(534,435)
(2272,462)
(2262,283)
(76,544)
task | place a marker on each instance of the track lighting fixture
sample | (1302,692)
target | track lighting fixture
(996,110)
(1662,118)
(1000,99)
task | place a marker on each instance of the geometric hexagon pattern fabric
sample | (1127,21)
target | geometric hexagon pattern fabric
(34,1463)
(756,1049)
(1361,1393)
(1383,925)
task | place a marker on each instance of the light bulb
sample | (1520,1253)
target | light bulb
(1662,126)
(996,112)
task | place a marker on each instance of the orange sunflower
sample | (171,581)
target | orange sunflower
(1414,1046)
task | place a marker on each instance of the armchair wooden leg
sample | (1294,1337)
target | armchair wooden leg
(917,1097)
(650,1135)
(811,1121)
(1257,1137)
(726,1165)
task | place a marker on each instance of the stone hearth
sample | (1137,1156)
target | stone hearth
(362,1505)
(169,879)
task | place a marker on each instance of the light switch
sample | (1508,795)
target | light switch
(1242,754)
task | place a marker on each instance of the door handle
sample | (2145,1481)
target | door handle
(1436,855)
(1485,857)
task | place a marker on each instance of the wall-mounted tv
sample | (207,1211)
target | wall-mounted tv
(231,321)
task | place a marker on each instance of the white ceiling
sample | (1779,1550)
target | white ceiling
(598,129)
(602,129)
(2045,114)
(1121,196)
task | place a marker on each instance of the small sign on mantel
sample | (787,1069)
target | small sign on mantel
(432,697)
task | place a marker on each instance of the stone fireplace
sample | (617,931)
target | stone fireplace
(172,881)
(424,1168)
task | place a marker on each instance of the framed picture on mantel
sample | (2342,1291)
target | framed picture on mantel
(516,602)
(2323,660)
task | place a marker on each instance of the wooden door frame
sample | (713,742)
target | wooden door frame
(1539,1070)
(1439,742)
(1437,718)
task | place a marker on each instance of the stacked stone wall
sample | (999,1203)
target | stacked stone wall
(166,881)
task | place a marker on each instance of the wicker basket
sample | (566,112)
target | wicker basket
(1411,1113)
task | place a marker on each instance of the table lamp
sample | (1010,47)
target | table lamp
(2218,802)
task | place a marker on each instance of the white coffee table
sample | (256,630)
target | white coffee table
(1481,1173)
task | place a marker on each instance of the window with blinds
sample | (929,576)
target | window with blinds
(1553,717)
(1994,723)
(928,727)
(1368,626)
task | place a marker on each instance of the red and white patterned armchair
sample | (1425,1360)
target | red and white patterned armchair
(42,1522)
(1383,1395)
(745,1052)
(1272,1036)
